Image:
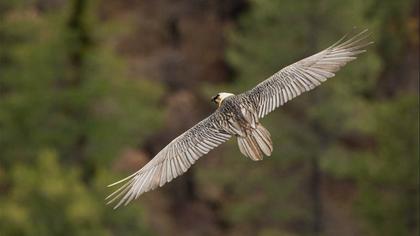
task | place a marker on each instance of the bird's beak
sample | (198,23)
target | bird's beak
(214,99)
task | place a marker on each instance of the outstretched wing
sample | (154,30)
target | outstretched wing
(173,160)
(305,74)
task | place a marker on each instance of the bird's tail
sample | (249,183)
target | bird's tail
(257,143)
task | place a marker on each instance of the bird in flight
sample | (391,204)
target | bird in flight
(239,116)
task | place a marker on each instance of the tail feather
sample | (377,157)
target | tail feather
(257,143)
(264,142)
(249,147)
(242,148)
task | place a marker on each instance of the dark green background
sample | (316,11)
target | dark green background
(91,90)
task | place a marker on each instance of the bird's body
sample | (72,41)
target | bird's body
(239,116)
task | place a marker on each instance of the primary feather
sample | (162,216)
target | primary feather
(239,116)
(173,160)
(306,74)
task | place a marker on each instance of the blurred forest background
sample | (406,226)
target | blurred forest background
(90,90)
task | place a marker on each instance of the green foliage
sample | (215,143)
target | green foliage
(48,108)
(389,182)
(69,106)
(73,98)
(316,125)
(49,199)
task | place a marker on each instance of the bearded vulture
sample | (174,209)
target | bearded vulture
(239,116)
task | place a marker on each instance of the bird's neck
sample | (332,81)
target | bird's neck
(223,96)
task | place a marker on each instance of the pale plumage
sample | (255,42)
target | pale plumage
(238,115)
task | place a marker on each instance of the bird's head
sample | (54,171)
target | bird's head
(218,99)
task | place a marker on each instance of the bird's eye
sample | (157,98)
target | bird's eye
(213,99)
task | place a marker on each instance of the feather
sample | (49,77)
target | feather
(257,143)
(307,73)
(173,160)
